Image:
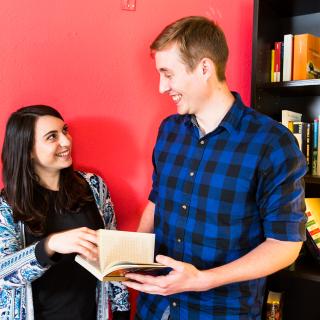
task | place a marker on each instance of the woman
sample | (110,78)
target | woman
(49,213)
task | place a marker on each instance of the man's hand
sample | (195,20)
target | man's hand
(183,277)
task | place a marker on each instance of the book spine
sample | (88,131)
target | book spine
(297,132)
(315,147)
(299,56)
(311,144)
(272,66)
(287,57)
(290,125)
(277,60)
(281,61)
(308,148)
(304,132)
(318,147)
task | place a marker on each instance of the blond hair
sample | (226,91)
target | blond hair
(197,38)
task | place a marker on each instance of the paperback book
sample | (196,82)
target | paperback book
(121,252)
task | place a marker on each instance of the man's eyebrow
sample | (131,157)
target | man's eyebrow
(163,70)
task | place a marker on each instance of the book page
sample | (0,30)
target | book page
(115,245)
(91,266)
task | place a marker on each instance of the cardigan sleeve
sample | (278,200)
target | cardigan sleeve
(117,292)
(18,265)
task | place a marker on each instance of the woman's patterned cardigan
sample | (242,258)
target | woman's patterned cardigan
(19,267)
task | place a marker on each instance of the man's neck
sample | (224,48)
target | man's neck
(215,109)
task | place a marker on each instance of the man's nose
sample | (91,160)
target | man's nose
(163,85)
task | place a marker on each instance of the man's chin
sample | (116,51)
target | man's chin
(182,111)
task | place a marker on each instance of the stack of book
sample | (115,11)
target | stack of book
(296,57)
(307,135)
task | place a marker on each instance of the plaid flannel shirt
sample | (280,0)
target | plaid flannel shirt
(219,196)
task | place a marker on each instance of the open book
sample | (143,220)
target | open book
(121,252)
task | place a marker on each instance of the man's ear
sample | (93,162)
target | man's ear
(207,67)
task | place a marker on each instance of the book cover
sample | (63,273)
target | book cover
(288,115)
(313,226)
(306,57)
(121,252)
(313,214)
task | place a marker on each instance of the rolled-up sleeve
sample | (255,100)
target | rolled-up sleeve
(281,190)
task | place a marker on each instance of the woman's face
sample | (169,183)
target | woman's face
(52,145)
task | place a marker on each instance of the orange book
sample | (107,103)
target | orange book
(306,57)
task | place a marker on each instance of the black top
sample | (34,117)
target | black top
(66,290)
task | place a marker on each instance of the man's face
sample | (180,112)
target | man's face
(186,88)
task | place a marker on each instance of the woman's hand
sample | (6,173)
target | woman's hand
(81,240)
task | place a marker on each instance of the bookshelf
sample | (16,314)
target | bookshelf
(273,19)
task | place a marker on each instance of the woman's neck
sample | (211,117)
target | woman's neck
(49,180)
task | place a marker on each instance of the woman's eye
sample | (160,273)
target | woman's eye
(52,136)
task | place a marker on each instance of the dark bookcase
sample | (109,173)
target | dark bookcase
(272,20)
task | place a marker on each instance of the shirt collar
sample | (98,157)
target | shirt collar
(234,115)
(230,121)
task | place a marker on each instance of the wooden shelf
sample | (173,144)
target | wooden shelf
(309,87)
(312,179)
(288,8)
(272,20)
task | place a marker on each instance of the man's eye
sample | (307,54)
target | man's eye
(65,130)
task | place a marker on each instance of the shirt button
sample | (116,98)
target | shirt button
(201,142)
(184,207)
(174,304)
(191,174)
(179,240)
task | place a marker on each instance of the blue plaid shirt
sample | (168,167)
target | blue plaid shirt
(218,197)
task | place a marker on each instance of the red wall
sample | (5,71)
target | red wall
(90,60)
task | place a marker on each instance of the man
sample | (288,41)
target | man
(227,201)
